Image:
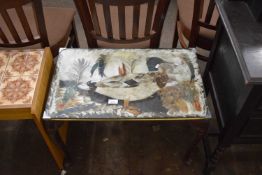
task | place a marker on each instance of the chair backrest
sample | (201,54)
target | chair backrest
(15,30)
(109,20)
(197,22)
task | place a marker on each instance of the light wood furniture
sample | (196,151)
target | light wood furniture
(122,24)
(25,23)
(24,81)
(196,25)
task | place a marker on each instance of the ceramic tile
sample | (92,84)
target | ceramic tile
(23,63)
(17,90)
(4,58)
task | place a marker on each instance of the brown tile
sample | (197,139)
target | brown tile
(17,90)
(3,62)
(23,63)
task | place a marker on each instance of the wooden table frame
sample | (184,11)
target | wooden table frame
(35,111)
(55,123)
(57,130)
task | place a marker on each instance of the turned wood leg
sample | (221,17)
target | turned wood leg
(201,132)
(213,159)
(53,130)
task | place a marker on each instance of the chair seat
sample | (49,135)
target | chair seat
(58,25)
(142,44)
(186,14)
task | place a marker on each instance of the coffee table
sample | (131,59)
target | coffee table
(24,77)
(127,85)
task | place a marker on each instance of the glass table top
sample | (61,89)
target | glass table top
(126,84)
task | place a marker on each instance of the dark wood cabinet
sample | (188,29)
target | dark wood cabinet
(256,8)
(233,77)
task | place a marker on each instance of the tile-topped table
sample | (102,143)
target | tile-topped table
(24,77)
(129,85)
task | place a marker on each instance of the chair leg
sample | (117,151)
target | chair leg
(201,128)
(73,42)
(175,37)
(203,58)
(175,40)
(76,41)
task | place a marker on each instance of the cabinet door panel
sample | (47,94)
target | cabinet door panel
(253,126)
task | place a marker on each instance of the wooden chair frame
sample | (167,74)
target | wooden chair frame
(40,22)
(41,38)
(195,40)
(88,15)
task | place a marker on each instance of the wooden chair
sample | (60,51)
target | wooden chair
(25,23)
(122,23)
(196,25)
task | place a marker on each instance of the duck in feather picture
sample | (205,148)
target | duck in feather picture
(142,83)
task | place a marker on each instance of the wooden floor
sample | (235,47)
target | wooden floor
(118,148)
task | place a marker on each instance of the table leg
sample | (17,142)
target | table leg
(56,152)
(201,132)
(53,129)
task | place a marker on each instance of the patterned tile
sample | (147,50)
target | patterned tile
(24,63)
(4,58)
(18,74)
(17,90)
